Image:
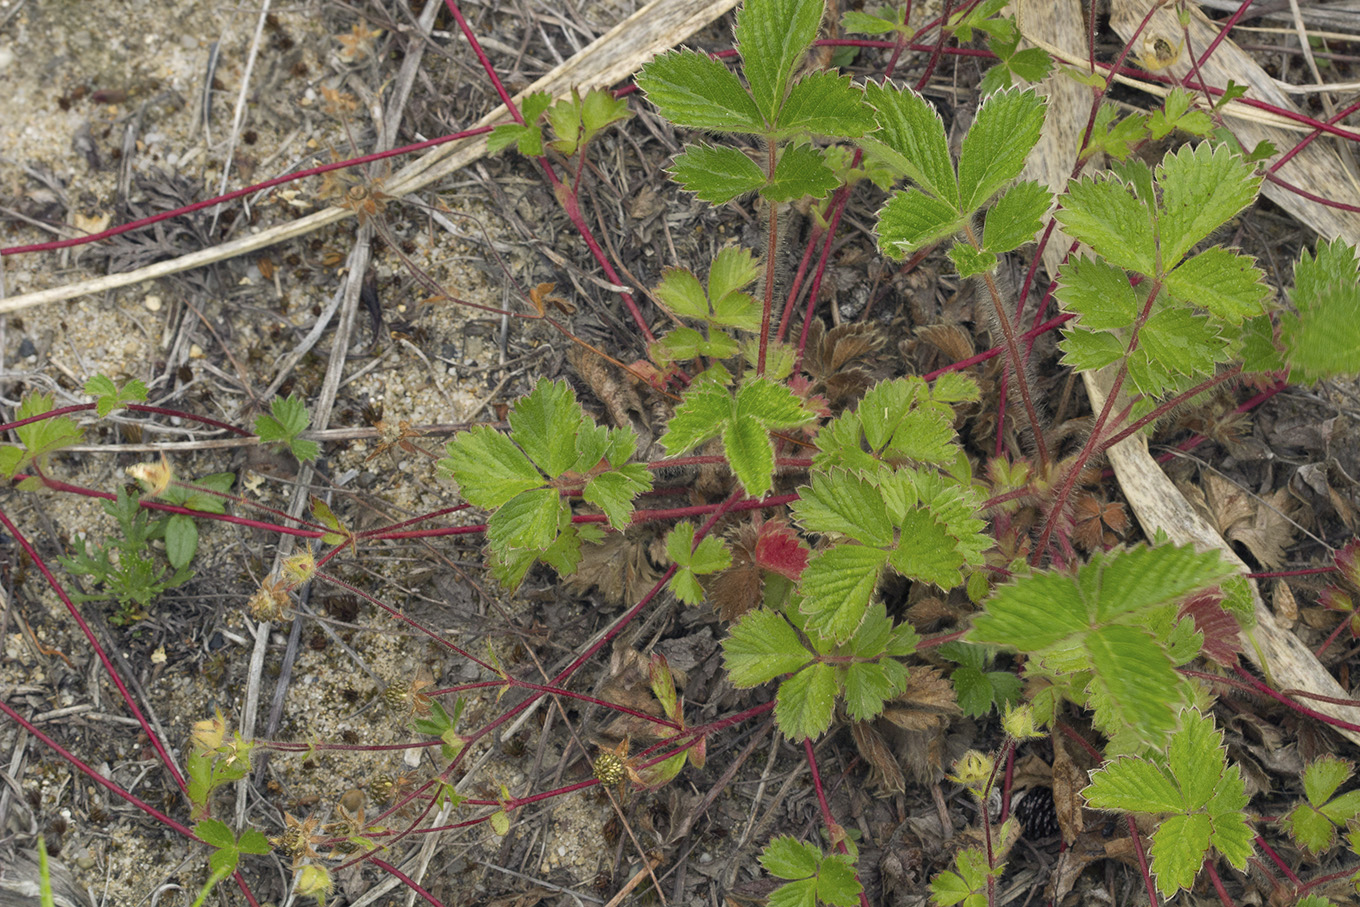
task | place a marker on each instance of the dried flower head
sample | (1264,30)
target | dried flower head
(297,839)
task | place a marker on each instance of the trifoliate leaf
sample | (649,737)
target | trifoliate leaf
(772,38)
(825,103)
(488,467)
(801,172)
(1104,213)
(1229,285)
(1202,187)
(806,701)
(287,418)
(709,556)
(698,92)
(1176,114)
(912,219)
(836,587)
(1323,339)
(996,145)
(716,175)
(911,138)
(1100,293)
(1015,217)
(761,647)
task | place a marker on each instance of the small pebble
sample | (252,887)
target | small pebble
(195,351)
(152,303)
(26,348)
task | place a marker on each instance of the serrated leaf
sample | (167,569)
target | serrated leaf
(1323,776)
(1309,828)
(826,103)
(1178,850)
(952,387)
(528,520)
(1099,292)
(836,882)
(1202,187)
(1323,339)
(681,292)
(911,138)
(544,423)
(761,647)
(787,858)
(780,550)
(1122,582)
(732,269)
(806,701)
(1015,217)
(1226,283)
(1176,114)
(1342,809)
(528,140)
(844,503)
(801,172)
(750,453)
(613,492)
(794,894)
(1085,351)
(912,219)
(1104,214)
(1130,784)
(886,20)
(252,841)
(1032,64)
(971,262)
(703,411)
(836,587)
(772,37)
(1196,759)
(868,685)
(1137,678)
(288,417)
(215,833)
(489,468)
(927,551)
(1175,341)
(698,92)
(716,175)
(996,145)
(1030,614)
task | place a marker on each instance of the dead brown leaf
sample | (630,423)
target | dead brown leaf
(884,772)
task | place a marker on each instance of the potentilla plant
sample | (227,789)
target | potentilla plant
(846,501)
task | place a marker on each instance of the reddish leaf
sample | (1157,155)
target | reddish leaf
(779,550)
(1222,635)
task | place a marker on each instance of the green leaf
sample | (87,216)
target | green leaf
(762,646)
(826,103)
(836,586)
(806,701)
(1202,187)
(1086,351)
(708,557)
(528,140)
(695,91)
(1099,292)
(110,397)
(716,175)
(1104,213)
(846,504)
(42,438)
(801,172)
(703,412)
(489,468)
(544,423)
(1323,339)
(599,110)
(732,270)
(911,137)
(750,453)
(884,20)
(288,418)
(869,684)
(1178,849)
(912,219)
(772,37)
(613,492)
(927,551)
(1131,581)
(252,841)
(215,833)
(1116,139)
(1031,613)
(1323,776)
(1309,828)
(1131,784)
(181,540)
(971,262)
(836,882)
(1016,217)
(528,520)
(1137,679)
(787,858)
(1176,114)
(1229,285)
(996,145)
(681,292)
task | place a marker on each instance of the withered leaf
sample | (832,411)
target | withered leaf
(884,772)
